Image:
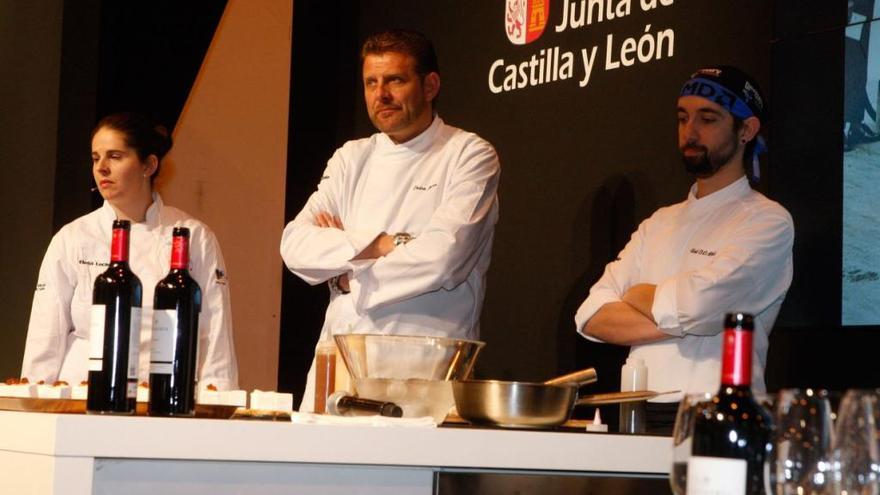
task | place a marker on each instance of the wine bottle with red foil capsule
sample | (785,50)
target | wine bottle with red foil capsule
(175,336)
(732,432)
(114,331)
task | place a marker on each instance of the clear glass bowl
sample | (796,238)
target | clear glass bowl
(412,371)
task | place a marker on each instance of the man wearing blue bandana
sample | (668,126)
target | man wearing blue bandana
(726,248)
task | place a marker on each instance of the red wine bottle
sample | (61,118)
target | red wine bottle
(114,332)
(175,337)
(732,432)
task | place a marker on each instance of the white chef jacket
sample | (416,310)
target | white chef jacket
(440,187)
(729,251)
(57,345)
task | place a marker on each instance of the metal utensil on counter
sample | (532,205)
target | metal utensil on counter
(342,404)
(520,404)
(621,397)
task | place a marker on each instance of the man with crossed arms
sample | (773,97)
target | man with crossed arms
(726,248)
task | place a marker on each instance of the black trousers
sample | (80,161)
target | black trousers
(660,417)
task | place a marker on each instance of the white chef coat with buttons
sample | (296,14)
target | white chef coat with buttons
(440,187)
(57,345)
(729,251)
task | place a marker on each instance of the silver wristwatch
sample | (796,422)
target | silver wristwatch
(402,238)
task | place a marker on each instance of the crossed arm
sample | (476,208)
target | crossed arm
(750,273)
(381,245)
(628,321)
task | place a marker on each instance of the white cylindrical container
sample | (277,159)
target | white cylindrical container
(633,377)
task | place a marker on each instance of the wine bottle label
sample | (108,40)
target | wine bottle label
(163,337)
(96,337)
(134,344)
(716,476)
(131,389)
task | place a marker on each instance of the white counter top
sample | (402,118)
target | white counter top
(145,438)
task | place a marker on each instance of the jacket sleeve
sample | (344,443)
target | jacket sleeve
(447,249)
(50,320)
(217,361)
(316,254)
(619,276)
(749,274)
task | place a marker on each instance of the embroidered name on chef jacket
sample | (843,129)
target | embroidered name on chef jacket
(93,263)
(702,252)
(424,188)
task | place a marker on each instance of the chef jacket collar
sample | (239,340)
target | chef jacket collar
(153,217)
(732,192)
(418,144)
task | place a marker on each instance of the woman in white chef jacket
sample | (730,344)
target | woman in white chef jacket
(127,151)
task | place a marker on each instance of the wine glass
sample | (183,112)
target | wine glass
(803,442)
(682,439)
(856,457)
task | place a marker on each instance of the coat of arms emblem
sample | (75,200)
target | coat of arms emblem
(525,20)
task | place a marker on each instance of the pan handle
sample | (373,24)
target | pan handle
(582,377)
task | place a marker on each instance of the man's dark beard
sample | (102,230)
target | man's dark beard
(705,164)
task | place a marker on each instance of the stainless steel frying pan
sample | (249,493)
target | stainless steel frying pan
(520,404)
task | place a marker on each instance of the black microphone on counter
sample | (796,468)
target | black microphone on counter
(343,404)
